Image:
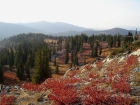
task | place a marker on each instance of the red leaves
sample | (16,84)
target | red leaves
(99,64)
(92,75)
(100,97)
(6,100)
(122,86)
(63,90)
(108,88)
(94,96)
(65,95)
(73,73)
(52,83)
(132,60)
(88,66)
(130,63)
(31,86)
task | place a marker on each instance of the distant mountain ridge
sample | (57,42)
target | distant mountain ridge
(56,28)
(9,29)
(112,31)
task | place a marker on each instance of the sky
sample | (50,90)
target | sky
(96,14)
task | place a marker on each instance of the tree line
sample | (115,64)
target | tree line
(26,51)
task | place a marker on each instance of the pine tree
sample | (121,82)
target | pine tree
(42,69)
(110,41)
(130,36)
(56,69)
(1,74)
(54,61)
(67,57)
(11,60)
(20,71)
(94,52)
(100,52)
(136,35)
(119,40)
(30,60)
(47,69)
(37,76)
(49,54)
(76,60)
(18,56)
(67,46)
(84,61)
(70,65)
(27,72)
(72,56)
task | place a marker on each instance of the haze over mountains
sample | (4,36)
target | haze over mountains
(56,28)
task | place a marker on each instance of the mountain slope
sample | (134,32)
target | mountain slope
(8,29)
(112,31)
(55,27)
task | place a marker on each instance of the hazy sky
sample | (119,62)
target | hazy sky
(96,14)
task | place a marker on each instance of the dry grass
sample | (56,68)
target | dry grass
(50,40)
(62,67)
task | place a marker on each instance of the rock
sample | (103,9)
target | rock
(135,91)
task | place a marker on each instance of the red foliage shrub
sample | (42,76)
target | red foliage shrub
(92,75)
(6,100)
(31,86)
(94,96)
(52,83)
(63,90)
(122,85)
(64,95)
(99,64)
(130,63)
(73,73)
(103,97)
(88,66)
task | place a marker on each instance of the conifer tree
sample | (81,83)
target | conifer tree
(119,40)
(49,54)
(84,61)
(92,52)
(11,60)
(100,52)
(72,56)
(18,56)
(76,60)
(96,51)
(27,72)
(56,69)
(54,61)
(20,71)
(47,69)
(70,65)
(37,76)
(42,69)
(67,57)
(30,60)
(1,74)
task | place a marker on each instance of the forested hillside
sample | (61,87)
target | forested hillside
(33,58)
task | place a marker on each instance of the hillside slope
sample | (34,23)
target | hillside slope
(8,29)
(55,27)
(111,81)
